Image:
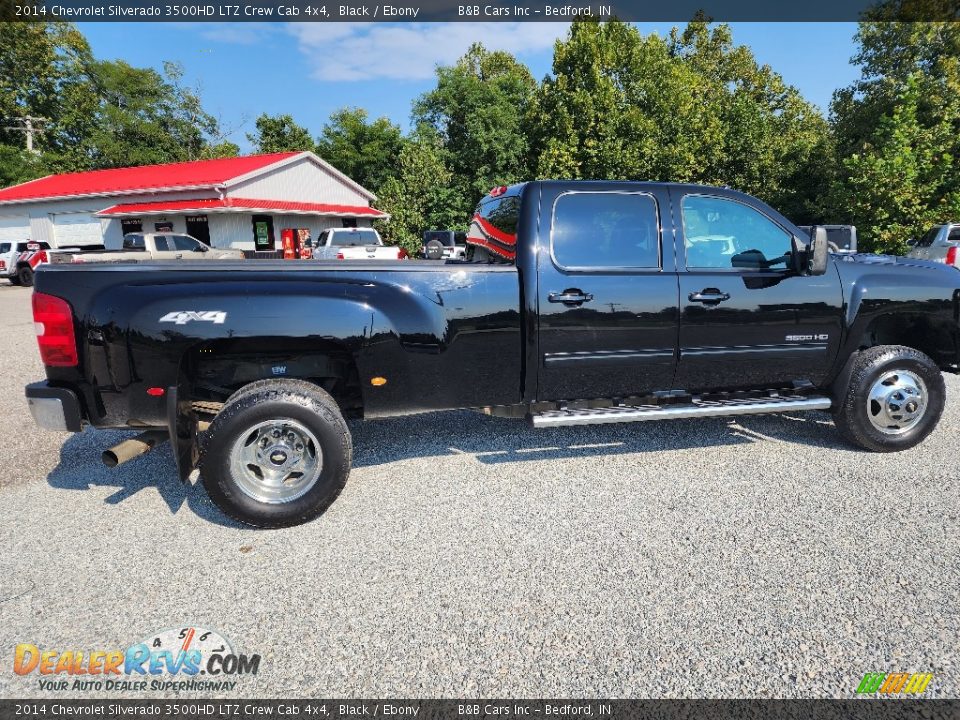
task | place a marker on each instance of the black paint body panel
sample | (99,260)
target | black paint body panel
(451,335)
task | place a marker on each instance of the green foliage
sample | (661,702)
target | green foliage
(365,151)
(143,117)
(690,108)
(420,196)
(222,149)
(896,132)
(279,133)
(478,108)
(96,113)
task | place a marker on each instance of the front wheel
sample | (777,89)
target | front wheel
(25,276)
(277,454)
(893,401)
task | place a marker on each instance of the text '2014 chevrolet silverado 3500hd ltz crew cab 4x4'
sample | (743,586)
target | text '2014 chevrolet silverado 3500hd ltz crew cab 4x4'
(579,303)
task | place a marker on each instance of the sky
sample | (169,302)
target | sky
(309,70)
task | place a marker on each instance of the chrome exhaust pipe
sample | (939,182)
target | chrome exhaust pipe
(134,447)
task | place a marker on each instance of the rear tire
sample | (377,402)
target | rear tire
(277,454)
(14,279)
(893,401)
(25,276)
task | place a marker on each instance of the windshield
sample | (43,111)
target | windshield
(4,248)
(354,237)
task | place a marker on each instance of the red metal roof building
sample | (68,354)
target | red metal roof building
(240,202)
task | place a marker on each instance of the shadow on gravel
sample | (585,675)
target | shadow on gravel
(80,469)
(498,440)
(489,440)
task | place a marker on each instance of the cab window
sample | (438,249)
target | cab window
(134,242)
(719,233)
(183,242)
(605,230)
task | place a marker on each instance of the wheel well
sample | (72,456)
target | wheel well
(915,331)
(219,368)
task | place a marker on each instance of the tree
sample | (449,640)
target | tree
(902,181)
(95,113)
(279,133)
(43,74)
(222,149)
(420,196)
(896,131)
(479,109)
(692,107)
(144,117)
(365,151)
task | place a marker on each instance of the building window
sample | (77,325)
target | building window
(165,226)
(198,227)
(263,232)
(349,222)
(131,225)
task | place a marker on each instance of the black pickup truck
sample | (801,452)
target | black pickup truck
(579,303)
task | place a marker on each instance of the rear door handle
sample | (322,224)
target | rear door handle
(570,297)
(709,296)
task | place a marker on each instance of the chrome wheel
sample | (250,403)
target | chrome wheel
(277,461)
(897,402)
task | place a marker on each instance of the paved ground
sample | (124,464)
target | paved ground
(476,557)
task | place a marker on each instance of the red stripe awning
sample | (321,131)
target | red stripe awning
(226,205)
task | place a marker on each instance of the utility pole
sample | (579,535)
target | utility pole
(29,126)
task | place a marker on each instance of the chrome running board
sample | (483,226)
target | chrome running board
(697,408)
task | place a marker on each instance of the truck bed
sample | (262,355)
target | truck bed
(443,334)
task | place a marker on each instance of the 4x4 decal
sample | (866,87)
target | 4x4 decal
(182,317)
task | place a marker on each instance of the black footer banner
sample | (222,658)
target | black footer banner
(554,709)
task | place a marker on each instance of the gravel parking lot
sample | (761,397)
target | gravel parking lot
(471,556)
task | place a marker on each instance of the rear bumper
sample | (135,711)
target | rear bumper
(54,408)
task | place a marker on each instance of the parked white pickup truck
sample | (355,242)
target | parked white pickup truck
(355,244)
(156,246)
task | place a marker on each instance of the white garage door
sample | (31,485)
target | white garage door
(76,229)
(14,228)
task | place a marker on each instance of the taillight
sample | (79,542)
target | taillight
(339,256)
(952,255)
(402,255)
(53,321)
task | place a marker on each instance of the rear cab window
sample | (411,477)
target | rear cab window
(349,238)
(605,230)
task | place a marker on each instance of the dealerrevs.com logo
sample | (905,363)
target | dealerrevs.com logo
(187,658)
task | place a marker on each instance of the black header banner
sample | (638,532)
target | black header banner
(303,709)
(475,10)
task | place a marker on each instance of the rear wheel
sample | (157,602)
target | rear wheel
(14,279)
(25,276)
(277,454)
(894,399)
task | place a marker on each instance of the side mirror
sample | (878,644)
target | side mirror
(817,251)
(912,242)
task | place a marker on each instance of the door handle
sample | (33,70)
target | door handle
(570,297)
(709,296)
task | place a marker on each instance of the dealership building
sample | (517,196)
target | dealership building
(240,202)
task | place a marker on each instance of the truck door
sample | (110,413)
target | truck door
(607,294)
(747,318)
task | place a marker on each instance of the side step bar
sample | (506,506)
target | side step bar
(695,409)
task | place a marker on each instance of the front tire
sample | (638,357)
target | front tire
(893,401)
(277,454)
